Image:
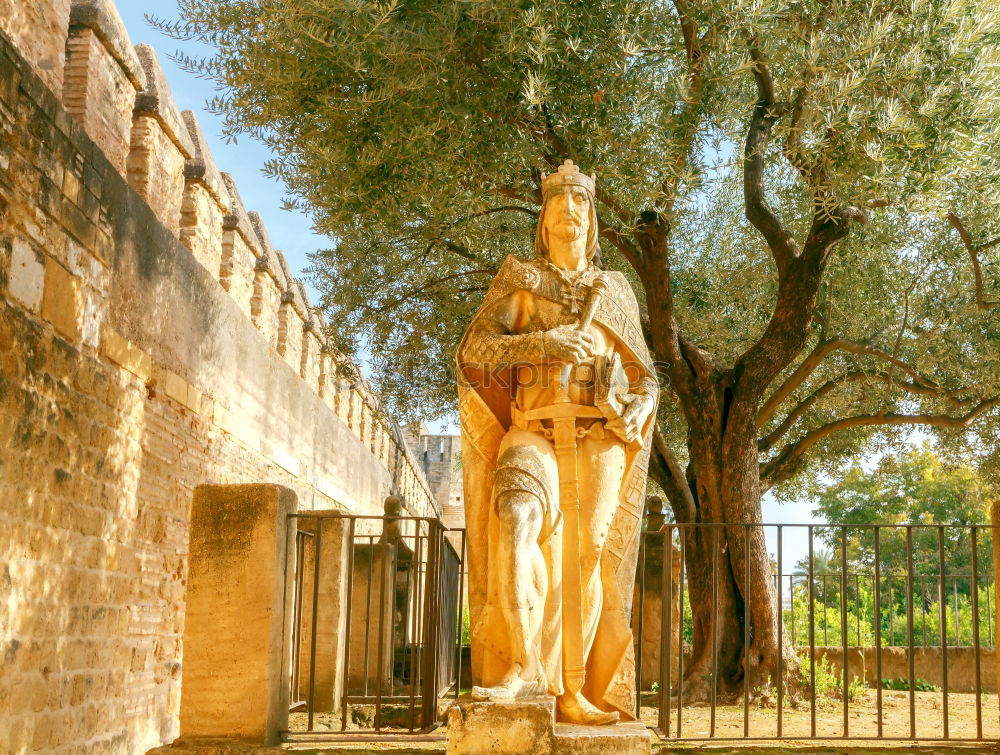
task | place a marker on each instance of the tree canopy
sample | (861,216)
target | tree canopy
(415,133)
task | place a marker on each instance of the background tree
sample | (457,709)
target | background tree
(915,487)
(774,177)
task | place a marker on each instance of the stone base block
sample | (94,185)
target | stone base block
(528,727)
(480,728)
(628,738)
(216,746)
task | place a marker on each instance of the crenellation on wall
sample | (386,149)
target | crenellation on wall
(291,314)
(205,201)
(160,144)
(312,348)
(102,76)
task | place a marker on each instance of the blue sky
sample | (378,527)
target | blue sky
(290,231)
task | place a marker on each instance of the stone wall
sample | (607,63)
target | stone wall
(927,665)
(140,314)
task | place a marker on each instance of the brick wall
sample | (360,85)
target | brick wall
(134,367)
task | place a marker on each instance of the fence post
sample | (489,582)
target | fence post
(995,521)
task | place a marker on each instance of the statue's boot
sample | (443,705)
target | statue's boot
(574,708)
(512,687)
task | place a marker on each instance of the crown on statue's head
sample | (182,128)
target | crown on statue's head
(568,174)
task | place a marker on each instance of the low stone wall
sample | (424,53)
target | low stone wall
(927,665)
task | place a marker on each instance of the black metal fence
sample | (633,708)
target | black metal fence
(882,581)
(890,629)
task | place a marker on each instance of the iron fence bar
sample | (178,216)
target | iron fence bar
(380,651)
(461,614)
(643,536)
(368,607)
(429,654)
(975,632)
(812,640)
(300,558)
(843,624)
(315,622)
(666,635)
(715,624)
(909,629)
(347,623)
(878,630)
(417,624)
(682,538)
(746,630)
(943,630)
(781,629)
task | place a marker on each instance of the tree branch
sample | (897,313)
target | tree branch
(765,114)
(768,441)
(783,466)
(816,357)
(974,250)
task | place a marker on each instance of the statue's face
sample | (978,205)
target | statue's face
(567,214)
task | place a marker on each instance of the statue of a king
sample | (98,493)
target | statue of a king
(557,399)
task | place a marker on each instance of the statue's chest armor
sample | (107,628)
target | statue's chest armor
(544,314)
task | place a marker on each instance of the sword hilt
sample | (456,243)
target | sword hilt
(597,290)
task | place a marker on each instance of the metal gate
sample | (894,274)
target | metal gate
(376,625)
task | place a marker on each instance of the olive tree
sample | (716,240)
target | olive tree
(803,192)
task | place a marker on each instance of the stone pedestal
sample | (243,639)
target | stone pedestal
(528,726)
(235,677)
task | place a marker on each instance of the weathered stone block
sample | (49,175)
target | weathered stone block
(290,335)
(61,300)
(26,275)
(237,588)
(482,728)
(39,30)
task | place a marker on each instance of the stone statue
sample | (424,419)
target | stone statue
(557,399)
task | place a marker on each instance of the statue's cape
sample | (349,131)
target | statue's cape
(484,411)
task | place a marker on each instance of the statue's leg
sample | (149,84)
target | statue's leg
(520,493)
(522,576)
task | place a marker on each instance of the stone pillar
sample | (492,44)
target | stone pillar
(234,680)
(652,571)
(311,346)
(376,572)
(330,614)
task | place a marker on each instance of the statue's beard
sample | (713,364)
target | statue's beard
(569,230)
